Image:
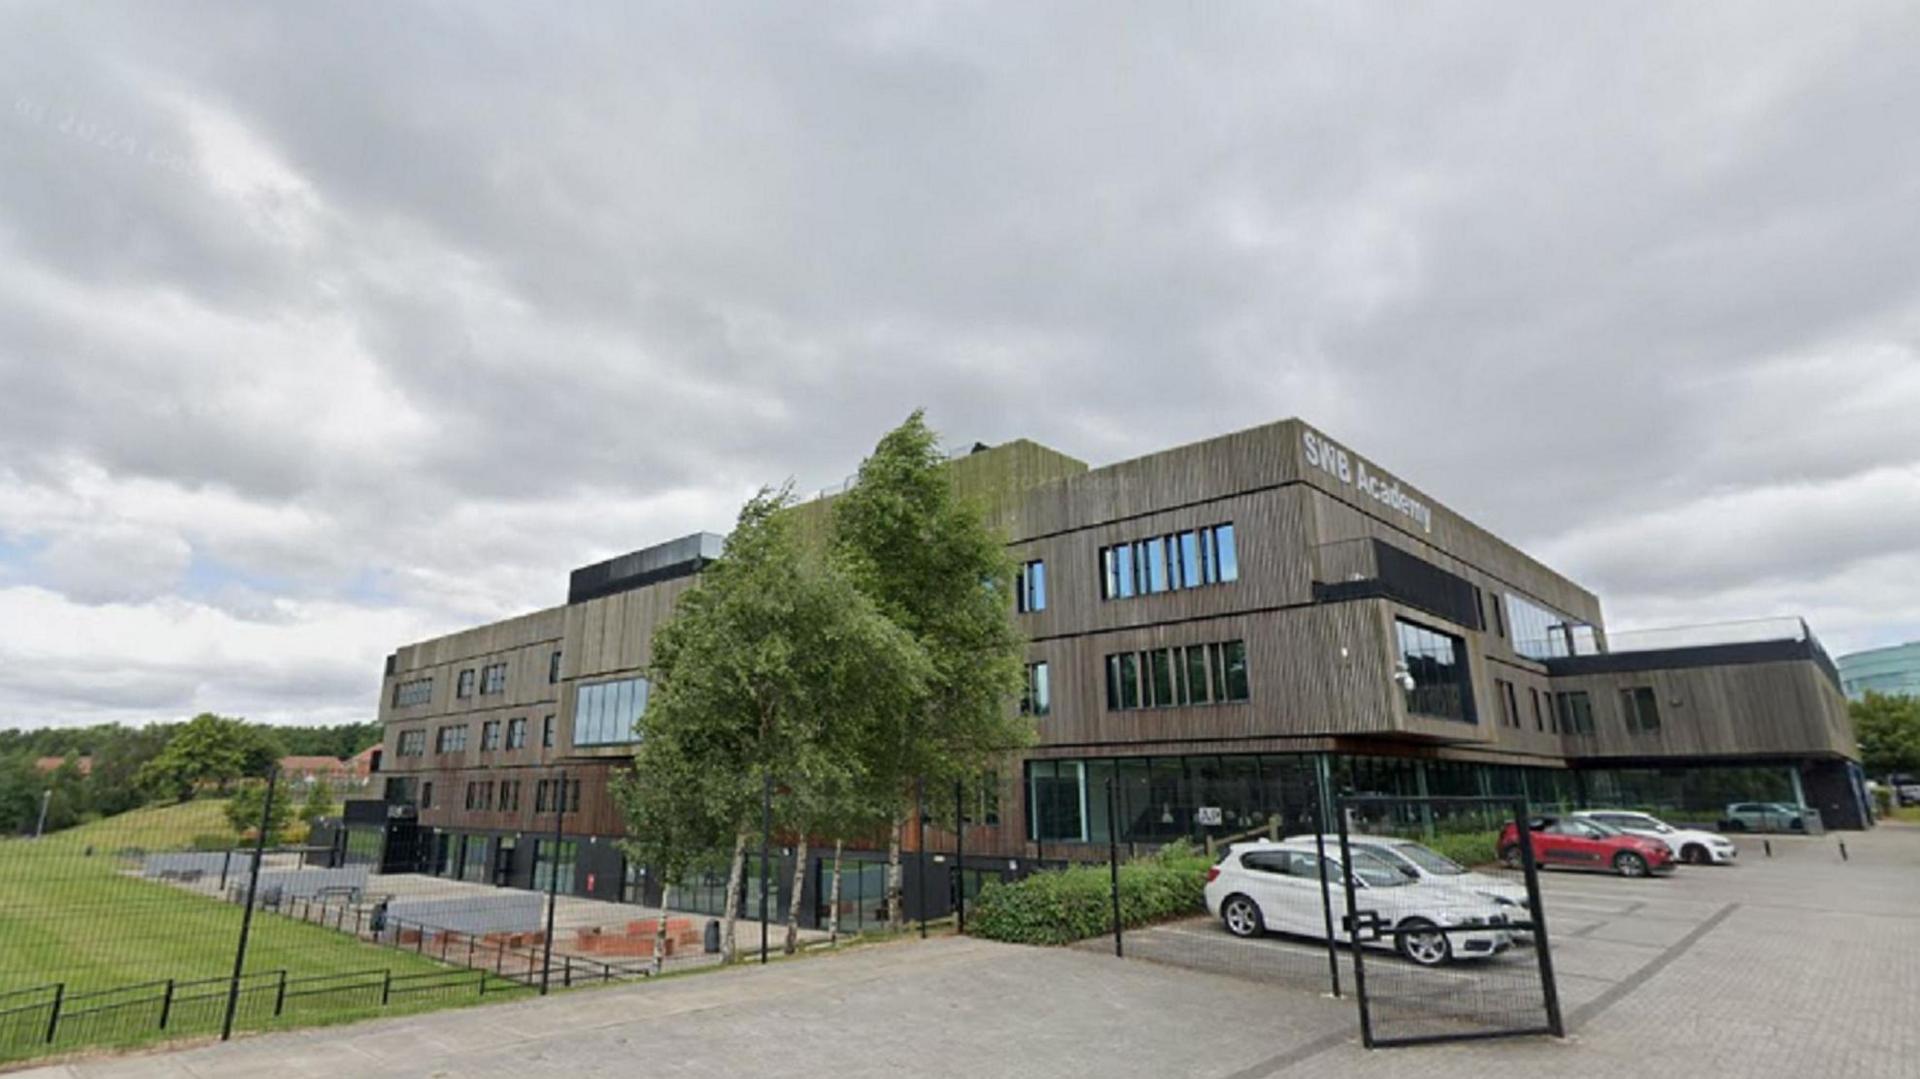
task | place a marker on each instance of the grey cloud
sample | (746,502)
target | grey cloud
(586,279)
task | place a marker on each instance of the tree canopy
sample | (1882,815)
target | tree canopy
(1888,730)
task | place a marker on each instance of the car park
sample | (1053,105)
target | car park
(1689,845)
(1275,887)
(1572,843)
(1764,817)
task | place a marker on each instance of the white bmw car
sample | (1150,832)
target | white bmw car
(1688,845)
(1268,887)
(1425,864)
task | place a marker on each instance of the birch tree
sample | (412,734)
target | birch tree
(934,568)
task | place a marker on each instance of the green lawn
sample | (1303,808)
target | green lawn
(77,916)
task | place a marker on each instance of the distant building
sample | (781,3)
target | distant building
(363,764)
(311,770)
(52,764)
(1894,670)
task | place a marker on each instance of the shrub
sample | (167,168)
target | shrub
(214,841)
(1060,906)
(1467,848)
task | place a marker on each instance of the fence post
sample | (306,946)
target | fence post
(1353,926)
(960,855)
(166,1005)
(1113,870)
(553,884)
(246,916)
(766,845)
(225,864)
(920,850)
(1326,898)
(386,987)
(53,1020)
(1538,912)
(280,995)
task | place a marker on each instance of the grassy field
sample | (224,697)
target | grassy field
(72,912)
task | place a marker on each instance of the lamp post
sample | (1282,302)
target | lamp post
(46,798)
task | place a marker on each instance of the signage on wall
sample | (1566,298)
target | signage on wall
(1207,816)
(1350,469)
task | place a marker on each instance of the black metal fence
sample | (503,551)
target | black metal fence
(1441,951)
(150,926)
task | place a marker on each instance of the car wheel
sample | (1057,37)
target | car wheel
(1423,943)
(1510,857)
(1628,864)
(1241,916)
(1695,854)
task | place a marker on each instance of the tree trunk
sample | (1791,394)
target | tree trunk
(896,918)
(833,898)
(735,873)
(793,904)
(660,928)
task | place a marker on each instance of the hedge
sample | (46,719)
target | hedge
(1060,906)
(1467,848)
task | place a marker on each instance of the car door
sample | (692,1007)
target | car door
(1263,878)
(1308,908)
(1581,844)
(1550,844)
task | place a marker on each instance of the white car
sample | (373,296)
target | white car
(1423,863)
(1688,845)
(1268,887)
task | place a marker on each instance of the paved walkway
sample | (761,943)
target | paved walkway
(1798,966)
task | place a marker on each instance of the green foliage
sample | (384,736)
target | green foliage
(1468,848)
(318,804)
(775,664)
(1065,905)
(935,569)
(208,749)
(1888,730)
(245,807)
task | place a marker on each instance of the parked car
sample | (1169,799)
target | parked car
(1572,843)
(1764,817)
(1687,844)
(1422,863)
(1268,887)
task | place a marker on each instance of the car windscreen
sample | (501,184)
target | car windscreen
(1432,861)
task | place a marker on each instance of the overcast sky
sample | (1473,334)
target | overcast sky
(326,328)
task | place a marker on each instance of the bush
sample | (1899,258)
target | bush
(214,841)
(1061,906)
(1467,848)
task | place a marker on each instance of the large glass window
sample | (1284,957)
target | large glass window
(412,744)
(1056,799)
(408,694)
(450,739)
(1433,673)
(1543,633)
(1168,563)
(553,864)
(605,713)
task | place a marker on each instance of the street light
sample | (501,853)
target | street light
(46,797)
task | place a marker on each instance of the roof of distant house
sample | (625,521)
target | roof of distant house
(48,764)
(312,764)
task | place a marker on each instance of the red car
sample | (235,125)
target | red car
(1586,844)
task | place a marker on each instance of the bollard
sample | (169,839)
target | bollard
(1768,845)
(1843,850)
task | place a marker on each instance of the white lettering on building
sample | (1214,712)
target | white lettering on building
(1330,458)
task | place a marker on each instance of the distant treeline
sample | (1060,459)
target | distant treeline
(131,766)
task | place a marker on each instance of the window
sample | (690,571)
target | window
(510,795)
(553,864)
(1509,708)
(1272,861)
(493,679)
(604,714)
(517,733)
(450,739)
(1641,708)
(1433,673)
(555,794)
(412,744)
(1057,801)
(1543,633)
(408,694)
(1539,718)
(1576,712)
(1030,587)
(463,686)
(1499,618)
(473,795)
(1176,676)
(490,734)
(426,795)
(546,733)
(553,669)
(1038,699)
(1169,563)
(982,806)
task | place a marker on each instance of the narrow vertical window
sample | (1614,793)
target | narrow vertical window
(1229,554)
(1196,666)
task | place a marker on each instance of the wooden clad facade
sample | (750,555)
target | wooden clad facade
(1313,523)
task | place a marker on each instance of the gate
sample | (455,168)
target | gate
(1442,952)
